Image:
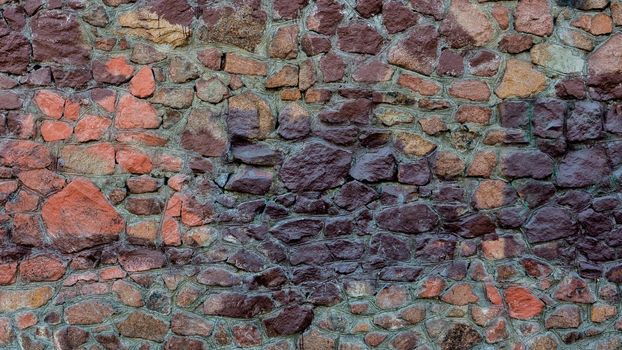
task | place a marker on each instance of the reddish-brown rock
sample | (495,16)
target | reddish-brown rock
(67,217)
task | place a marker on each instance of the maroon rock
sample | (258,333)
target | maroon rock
(450,63)
(605,70)
(527,164)
(390,247)
(368,8)
(213,276)
(397,17)
(294,122)
(414,173)
(417,51)
(434,8)
(289,9)
(256,154)
(484,63)
(613,119)
(572,168)
(144,326)
(550,223)
(409,218)
(242,27)
(515,43)
(291,320)
(374,166)
(357,111)
(297,229)
(359,38)
(250,180)
(353,195)
(246,260)
(585,122)
(174,11)
(237,305)
(475,225)
(175,342)
(332,67)
(57,37)
(513,114)
(16,49)
(70,338)
(571,88)
(548,118)
(326,17)
(316,167)
(313,44)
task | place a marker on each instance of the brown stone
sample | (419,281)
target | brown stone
(88,312)
(534,16)
(493,194)
(465,24)
(242,26)
(521,79)
(417,51)
(474,90)
(12,300)
(147,24)
(238,64)
(284,43)
(143,326)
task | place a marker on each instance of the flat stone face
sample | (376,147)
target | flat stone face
(57,37)
(67,217)
(325,167)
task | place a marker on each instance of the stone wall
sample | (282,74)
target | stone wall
(298,174)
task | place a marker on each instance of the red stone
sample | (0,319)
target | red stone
(55,131)
(134,161)
(91,128)
(522,304)
(134,113)
(68,217)
(41,268)
(24,155)
(116,70)
(142,84)
(50,103)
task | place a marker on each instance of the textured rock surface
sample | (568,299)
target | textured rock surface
(295,174)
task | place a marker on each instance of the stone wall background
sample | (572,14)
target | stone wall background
(294,174)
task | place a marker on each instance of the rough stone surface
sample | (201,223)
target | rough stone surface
(295,174)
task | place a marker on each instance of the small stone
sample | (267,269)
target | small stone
(526,164)
(522,304)
(332,67)
(460,294)
(557,57)
(291,320)
(473,90)
(369,8)
(417,51)
(150,25)
(534,16)
(210,58)
(419,85)
(294,122)
(448,165)
(33,298)
(55,131)
(575,290)
(483,164)
(521,79)
(91,128)
(313,44)
(564,316)
(237,64)
(326,17)
(42,268)
(359,38)
(237,305)
(460,336)
(465,24)
(211,90)
(249,180)
(570,173)
(142,84)
(284,44)
(286,76)
(392,297)
(95,159)
(550,223)
(373,167)
(413,144)
(249,116)
(146,54)
(410,218)
(50,103)
(141,259)
(242,26)
(134,113)
(372,72)
(604,70)
(515,43)
(493,194)
(88,312)
(414,173)
(190,324)
(602,312)
(115,70)
(143,326)
(182,70)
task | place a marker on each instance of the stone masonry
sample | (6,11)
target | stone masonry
(310,174)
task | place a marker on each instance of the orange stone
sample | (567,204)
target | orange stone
(237,64)
(432,287)
(55,131)
(142,84)
(460,294)
(483,164)
(492,194)
(134,113)
(421,86)
(91,127)
(473,114)
(143,232)
(522,304)
(50,103)
(68,216)
(134,161)
(474,90)
(72,110)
